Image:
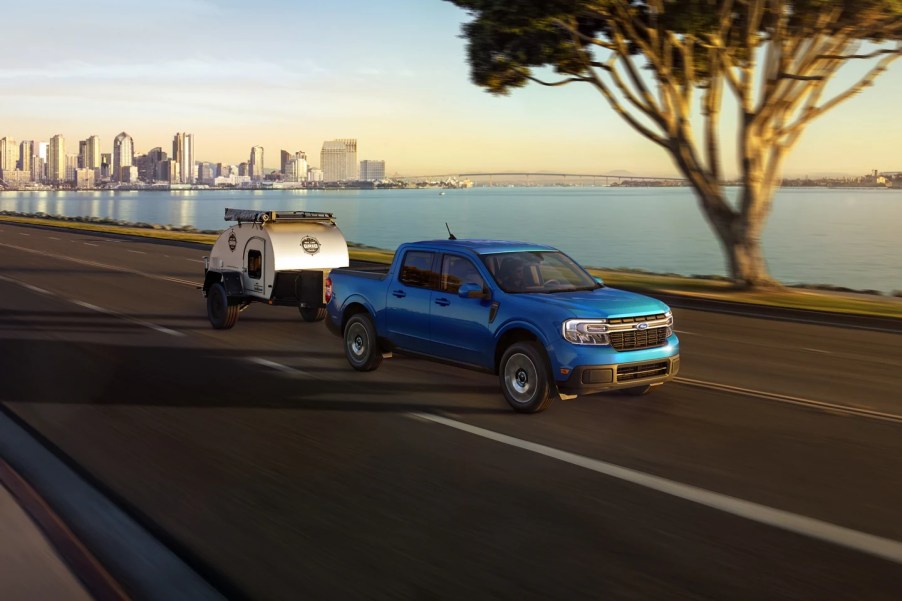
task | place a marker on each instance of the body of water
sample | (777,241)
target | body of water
(843,237)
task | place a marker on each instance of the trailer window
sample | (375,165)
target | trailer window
(416,270)
(254,264)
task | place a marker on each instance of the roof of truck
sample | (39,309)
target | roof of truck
(487,247)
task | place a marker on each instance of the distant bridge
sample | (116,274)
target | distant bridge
(528,174)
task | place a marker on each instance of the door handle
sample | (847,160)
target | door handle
(399,293)
(442,302)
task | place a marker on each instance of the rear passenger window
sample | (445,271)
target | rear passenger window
(416,270)
(457,271)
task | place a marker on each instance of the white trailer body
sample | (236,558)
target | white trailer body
(275,257)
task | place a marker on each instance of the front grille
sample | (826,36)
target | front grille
(639,319)
(631,340)
(638,371)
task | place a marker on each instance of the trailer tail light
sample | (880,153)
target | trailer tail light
(327,288)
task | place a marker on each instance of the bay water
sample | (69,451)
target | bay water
(841,236)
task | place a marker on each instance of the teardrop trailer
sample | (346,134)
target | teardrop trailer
(272,257)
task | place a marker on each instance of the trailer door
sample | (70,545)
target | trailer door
(255,268)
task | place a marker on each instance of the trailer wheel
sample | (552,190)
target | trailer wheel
(222,313)
(526,378)
(361,348)
(313,313)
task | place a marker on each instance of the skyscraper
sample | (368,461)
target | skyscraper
(255,164)
(338,160)
(56,159)
(9,155)
(26,154)
(92,153)
(371,171)
(123,155)
(285,156)
(183,155)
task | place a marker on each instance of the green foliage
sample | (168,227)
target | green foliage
(508,38)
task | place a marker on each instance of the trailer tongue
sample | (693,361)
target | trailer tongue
(273,257)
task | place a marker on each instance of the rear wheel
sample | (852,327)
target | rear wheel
(525,378)
(313,313)
(221,312)
(361,348)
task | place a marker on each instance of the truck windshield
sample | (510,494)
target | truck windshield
(538,271)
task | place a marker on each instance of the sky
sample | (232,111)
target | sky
(393,74)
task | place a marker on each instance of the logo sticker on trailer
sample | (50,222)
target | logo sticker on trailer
(233,241)
(310,245)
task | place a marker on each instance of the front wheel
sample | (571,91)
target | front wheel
(361,348)
(221,312)
(525,378)
(313,313)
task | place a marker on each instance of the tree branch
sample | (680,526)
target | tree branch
(554,84)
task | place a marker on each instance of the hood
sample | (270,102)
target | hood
(599,303)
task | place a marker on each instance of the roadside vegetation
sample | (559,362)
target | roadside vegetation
(711,288)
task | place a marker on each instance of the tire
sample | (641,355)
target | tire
(313,313)
(526,378)
(361,348)
(222,313)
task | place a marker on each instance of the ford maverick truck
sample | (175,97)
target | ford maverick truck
(526,312)
(272,257)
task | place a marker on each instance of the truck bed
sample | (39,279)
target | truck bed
(365,269)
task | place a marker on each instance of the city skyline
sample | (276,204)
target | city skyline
(398,81)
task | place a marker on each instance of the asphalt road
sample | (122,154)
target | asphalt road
(772,469)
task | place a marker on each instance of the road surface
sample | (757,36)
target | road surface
(771,469)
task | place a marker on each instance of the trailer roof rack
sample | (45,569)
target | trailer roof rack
(252,216)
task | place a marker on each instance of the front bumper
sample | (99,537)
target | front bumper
(587,379)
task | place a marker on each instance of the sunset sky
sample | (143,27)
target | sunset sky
(291,74)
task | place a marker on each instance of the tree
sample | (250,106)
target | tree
(776,57)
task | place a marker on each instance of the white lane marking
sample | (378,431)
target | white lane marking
(89,244)
(124,317)
(683,332)
(817,350)
(792,400)
(194,260)
(778,518)
(137,252)
(23,234)
(35,289)
(52,238)
(105,266)
(279,367)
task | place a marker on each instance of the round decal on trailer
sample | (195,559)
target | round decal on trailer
(233,241)
(310,245)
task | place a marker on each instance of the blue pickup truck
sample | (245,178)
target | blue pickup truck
(526,312)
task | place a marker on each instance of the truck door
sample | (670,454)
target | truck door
(254,268)
(407,301)
(460,326)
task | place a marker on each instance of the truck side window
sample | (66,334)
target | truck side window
(457,271)
(416,270)
(254,264)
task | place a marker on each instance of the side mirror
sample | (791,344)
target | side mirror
(599,280)
(470,290)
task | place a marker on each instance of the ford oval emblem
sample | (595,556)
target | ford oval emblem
(310,245)
(233,241)
(642,326)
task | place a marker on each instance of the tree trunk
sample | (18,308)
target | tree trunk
(739,234)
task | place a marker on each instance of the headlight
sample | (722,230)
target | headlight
(669,316)
(586,331)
